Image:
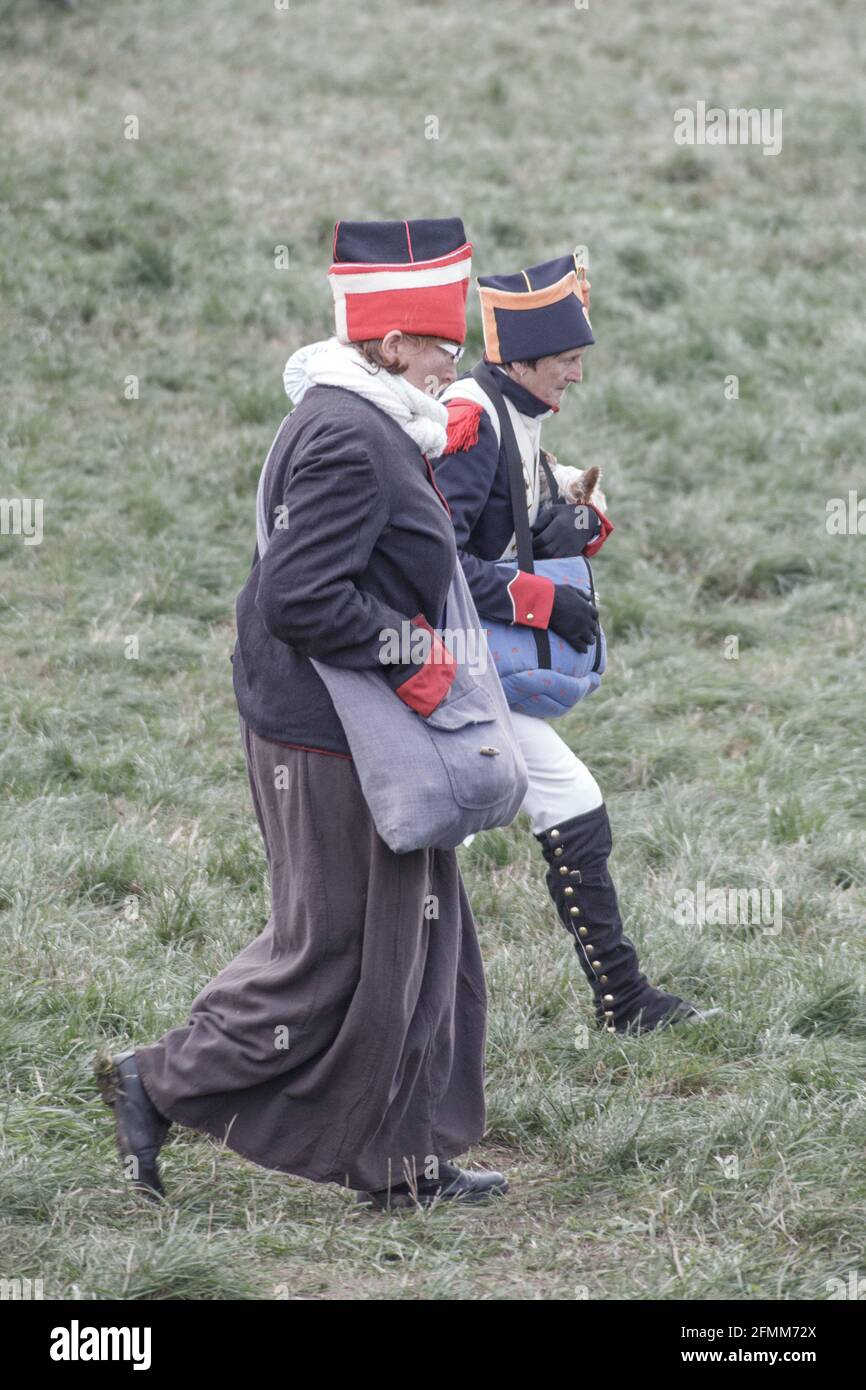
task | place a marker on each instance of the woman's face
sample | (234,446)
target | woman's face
(428,366)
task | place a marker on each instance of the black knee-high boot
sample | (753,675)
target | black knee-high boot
(577,852)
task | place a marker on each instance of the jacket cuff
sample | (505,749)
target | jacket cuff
(428,687)
(593,546)
(531,598)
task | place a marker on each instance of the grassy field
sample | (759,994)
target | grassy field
(722,1163)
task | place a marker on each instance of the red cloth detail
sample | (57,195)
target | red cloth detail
(431,683)
(606,528)
(464,422)
(531,593)
(326,752)
(441,497)
(434,311)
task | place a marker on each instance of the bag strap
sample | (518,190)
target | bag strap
(597,662)
(486,379)
(552,486)
(554,492)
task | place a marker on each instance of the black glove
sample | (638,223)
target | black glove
(562,530)
(573,618)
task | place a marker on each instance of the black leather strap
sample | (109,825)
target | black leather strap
(486,379)
(551,481)
(554,493)
(597,662)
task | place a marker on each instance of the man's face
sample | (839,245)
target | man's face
(550,378)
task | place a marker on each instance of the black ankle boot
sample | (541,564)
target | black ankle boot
(452,1184)
(140,1128)
(577,852)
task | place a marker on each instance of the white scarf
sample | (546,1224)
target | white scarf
(332,363)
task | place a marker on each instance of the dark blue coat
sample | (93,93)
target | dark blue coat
(474,479)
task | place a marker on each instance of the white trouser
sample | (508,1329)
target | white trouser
(560,785)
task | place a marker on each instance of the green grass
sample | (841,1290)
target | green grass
(131,868)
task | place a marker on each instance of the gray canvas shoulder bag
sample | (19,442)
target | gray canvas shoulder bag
(431,782)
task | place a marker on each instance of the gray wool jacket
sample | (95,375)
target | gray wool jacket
(360,542)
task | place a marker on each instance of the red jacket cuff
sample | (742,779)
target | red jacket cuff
(531,598)
(598,541)
(430,684)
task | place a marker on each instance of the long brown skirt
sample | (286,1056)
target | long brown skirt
(345,1044)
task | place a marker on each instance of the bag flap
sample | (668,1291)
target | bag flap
(473,706)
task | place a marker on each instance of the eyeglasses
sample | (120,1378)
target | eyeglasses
(454,351)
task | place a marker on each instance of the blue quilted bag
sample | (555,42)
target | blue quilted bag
(532,689)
